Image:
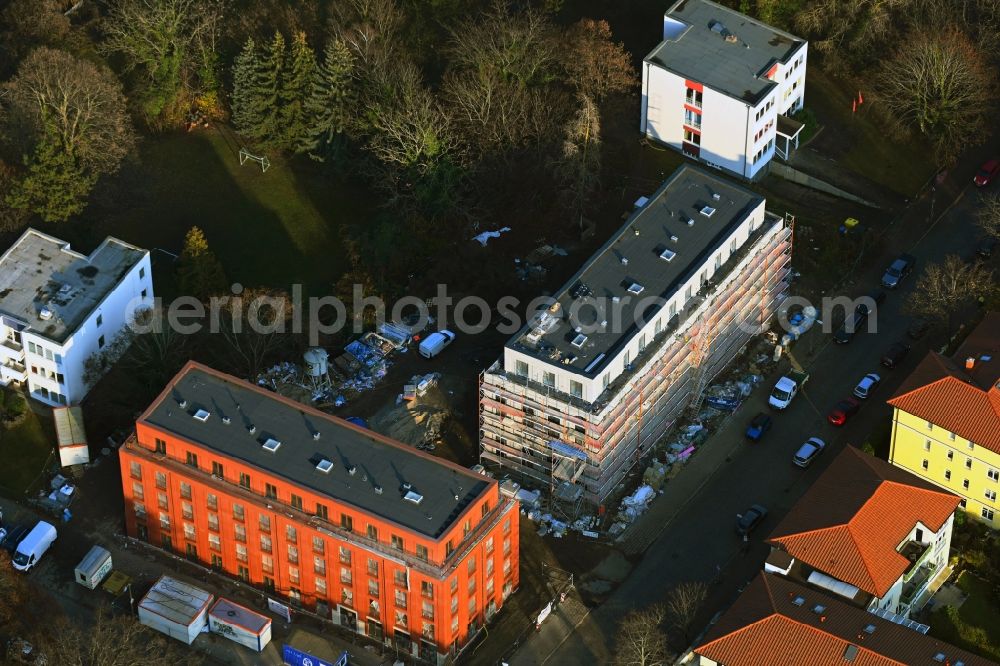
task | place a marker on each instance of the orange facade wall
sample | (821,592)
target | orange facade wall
(174,500)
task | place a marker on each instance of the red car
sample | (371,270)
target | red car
(842,411)
(987,173)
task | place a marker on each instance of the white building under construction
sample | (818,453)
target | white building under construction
(587,387)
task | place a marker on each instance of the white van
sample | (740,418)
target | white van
(34,545)
(434,343)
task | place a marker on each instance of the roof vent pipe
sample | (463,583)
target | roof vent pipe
(970,363)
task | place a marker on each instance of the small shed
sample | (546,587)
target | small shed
(240,624)
(175,608)
(93,568)
(71,437)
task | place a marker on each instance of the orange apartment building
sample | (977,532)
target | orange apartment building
(406,548)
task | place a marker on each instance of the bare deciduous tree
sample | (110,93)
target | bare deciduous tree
(944,288)
(254,325)
(110,641)
(81,103)
(579,166)
(26,24)
(596,65)
(683,605)
(157,349)
(852,27)
(940,85)
(641,640)
(370,28)
(988,215)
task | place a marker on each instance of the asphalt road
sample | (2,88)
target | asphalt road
(700,543)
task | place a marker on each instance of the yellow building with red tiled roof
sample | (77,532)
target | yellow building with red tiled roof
(946,421)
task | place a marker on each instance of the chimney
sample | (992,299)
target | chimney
(970,363)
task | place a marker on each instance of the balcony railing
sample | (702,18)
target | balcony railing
(12,345)
(691,101)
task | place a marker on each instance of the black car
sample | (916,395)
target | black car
(746,522)
(13,538)
(894,354)
(854,323)
(918,328)
(877,295)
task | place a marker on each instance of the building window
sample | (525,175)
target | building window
(963,503)
(422,552)
(217,469)
(521,368)
(951,455)
(270,491)
(575,388)
(372,532)
(987,513)
(238,511)
(489,545)
(453,586)
(347,597)
(189,531)
(213,522)
(400,578)
(427,589)
(192,459)
(971,445)
(100,342)
(160,446)
(400,598)
(187,511)
(240,533)
(449,548)
(293,575)
(947,475)
(993,474)
(506,546)
(319,564)
(925,464)
(321,511)
(321,587)
(296,502)
(373,588)
(293,554)
(965,484)
(212,501)
(372,567)
(991,495)
(185,490)
(693,97)
(319,546)
(135,469)
(605,380)
(692,137)
(161,500)
(291,534)
(930,426)
(214,542)
(265,523)
(345,575)
(245,480)
(164,521)
(489,568)
(267,564)
(265,543)
(471,565)
(397,542)
(241,552)
(346,522)
(140,511)
(549,378)
(242,571)
(927,445)
(137,492)
(968,463)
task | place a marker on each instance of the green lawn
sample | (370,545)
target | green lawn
(859,143)
(976,625)
(274,229)
(26,448)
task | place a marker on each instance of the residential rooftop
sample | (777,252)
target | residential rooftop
(778,621)
(661,246)
(960,394)
(851,522)
(723,49)
(53,289)
(292,440)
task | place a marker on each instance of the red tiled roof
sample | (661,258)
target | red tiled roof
(949,395)
(858,512)
(766,626)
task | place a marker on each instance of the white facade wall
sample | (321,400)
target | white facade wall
(731,129)
(55,372)
(593,386)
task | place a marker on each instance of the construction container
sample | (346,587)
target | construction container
(240,624)
(176,609)
(93,568)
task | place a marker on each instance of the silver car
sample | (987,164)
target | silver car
(867,385)
(809,451)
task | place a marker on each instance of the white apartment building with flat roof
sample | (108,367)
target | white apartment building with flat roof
(58,307)
(721,86)
(582,393)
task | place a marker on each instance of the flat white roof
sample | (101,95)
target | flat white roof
(176,600)
(52,289)
(233,613)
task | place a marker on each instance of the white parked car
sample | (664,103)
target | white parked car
(867,385)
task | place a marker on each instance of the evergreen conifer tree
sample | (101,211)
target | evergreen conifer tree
(199,270)
(244,72)
(331,99)
(55,186)
(296,89)
(268,87)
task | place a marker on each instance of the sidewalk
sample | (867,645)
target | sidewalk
(554,631)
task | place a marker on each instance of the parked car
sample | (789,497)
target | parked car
(747,521)
(986,247)
(435,343)
(987,173)
(898,270)
(877,295)
(894,354)
(14,536)
(852,324)
(867,386)
(918,328)
(842,411)
(809,451)
(759,425)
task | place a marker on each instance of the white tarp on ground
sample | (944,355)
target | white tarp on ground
(484,237)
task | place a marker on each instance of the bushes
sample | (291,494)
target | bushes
(13,405)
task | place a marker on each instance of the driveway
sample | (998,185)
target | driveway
(699,543)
